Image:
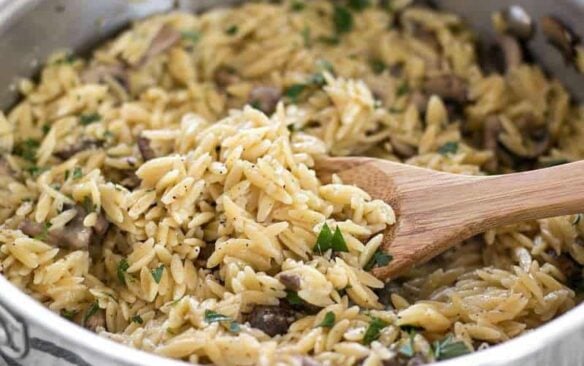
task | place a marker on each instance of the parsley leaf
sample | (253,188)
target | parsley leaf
(69,314)
(88,204)
(323,241)
(294,91)
(122,269)
(297,5)
(330,40)
(213,317)
(232,30)
(372,332)
(359,4)
(77,173)
(157,273)
(45,233)
(449,348)
(379,259)
(403,89)
(89,118)
(343,19)
(91,312)
(27,149)
(306,36)
(377,66)
(191,36)
(137,319)
(328,321)
(325,65)
(338,243)
(448,148)
(293,298)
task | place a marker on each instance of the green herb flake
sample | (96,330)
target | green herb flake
(328,321)
(377,66)
(68,314)
(27,149)
(89,118)
(66,59)
(35,170)
(297,5)
(256,104)
(88,204)
(293,298)
(305,33)
(157,273)
(379,259)
(317,79)
(45,233)
(214,317)
(190,36)
(359,4)
(449,348)
(338,242)
(46,128)
(232,30)
(234,327)
(77,173)
(294,91)
(403,89)
(372,332)
(448,148)
(330,40)
(343,19)
(323,241)
(137,319)
(122,270)
(91,312)
(325,65)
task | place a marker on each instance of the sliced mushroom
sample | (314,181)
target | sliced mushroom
(517,22)
(426,36)
(448,87)
(96,321)
(272,320)
(145,148)
(77,147)
(491,131)
(130,180)
(511,51)
(560,36)
(265,98)
(402,149)
(166,37)
(98,73)
(291,281)
(225,76)
(536,138)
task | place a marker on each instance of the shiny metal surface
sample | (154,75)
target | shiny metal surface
(30,334)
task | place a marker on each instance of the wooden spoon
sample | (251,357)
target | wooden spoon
(437,210)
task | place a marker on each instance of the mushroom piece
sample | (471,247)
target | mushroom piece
(166,37)
(560,36)
(512,52)
(74,235)
(96,321)
(402,149)
(99,73)
(491,130)
(265,98)
(77,147)
(450,88)
(536,139)
(517,22)
(224,77)
(145,148)
(290,281)
(271,319)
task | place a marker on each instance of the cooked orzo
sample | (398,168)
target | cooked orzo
(162,193)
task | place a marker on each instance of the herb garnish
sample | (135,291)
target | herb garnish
(403,89)
(46,128)
(297,5)
(191,36)
(77,173)
(157,273)
(122,270)
(88,204)
(306,36)
(359,4)
(213,317)
(372,332)
(328,321)
(449,348)
(91,312)
(327,240)
(137,319)
(27,149)
(377,66)
(330,40)
(294,91)
(293,298)
(89,118)
(343,19)
(379,259)
(232,30)
(69,314)
(45,233)
(450,147)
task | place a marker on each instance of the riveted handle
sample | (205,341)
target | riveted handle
(13,335)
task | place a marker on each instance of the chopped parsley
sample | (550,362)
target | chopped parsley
(122,270)
(91,312)
(359,4)
(293,298)
(45,233)
(449,348)
(306,36)
(137,319)
(214,317)
(77,173)
(379,259)
(327,240)
(297,5)
(372,332)
(450,147)
(328,321)
(232,30)
(157,273)
(88,204)
(89,118)
(343,19)
(317,79)
(403,89)
(27,149)
(66,59)
(35,170)
(377,66)
(46,128)
(69,314)
(191,36)
(294,91)
(330,40)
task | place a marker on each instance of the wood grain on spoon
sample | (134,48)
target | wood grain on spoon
(437,210)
